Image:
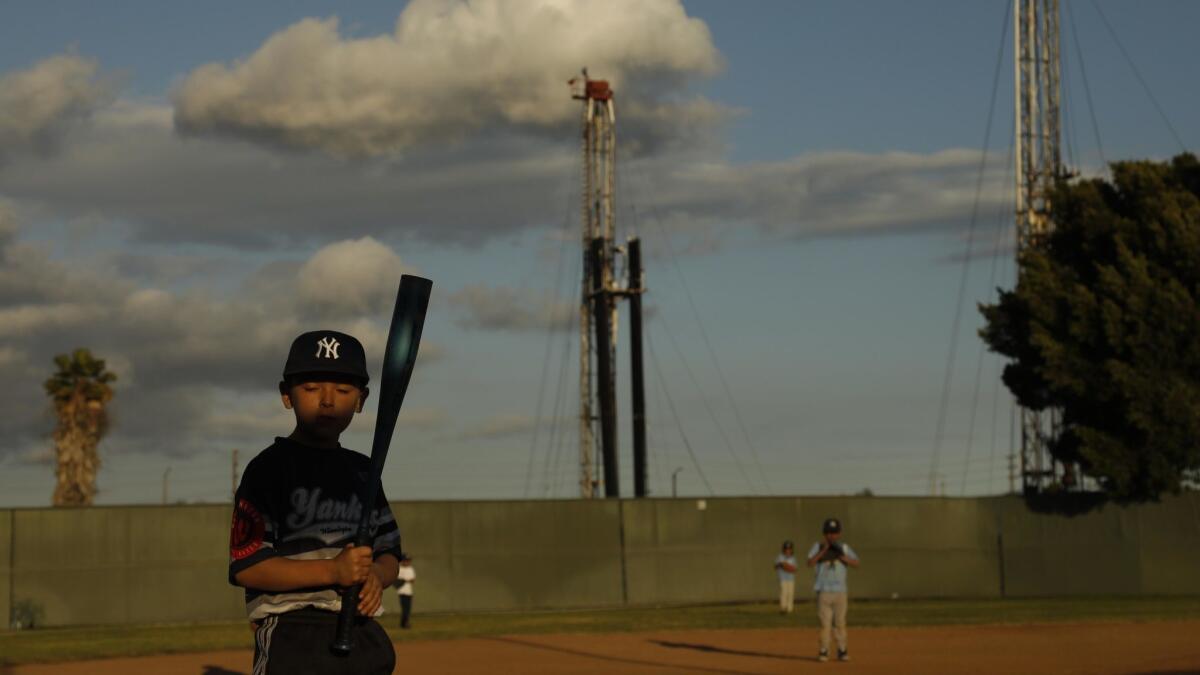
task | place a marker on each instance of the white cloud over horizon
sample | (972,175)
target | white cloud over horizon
(507,309)
(38,105)
(128,168)
(185,358)
(455,68)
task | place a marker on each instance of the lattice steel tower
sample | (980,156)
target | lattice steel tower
(1038,166)
(599,160)
(598,307)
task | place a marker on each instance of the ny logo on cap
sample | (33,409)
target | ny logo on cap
(327,348)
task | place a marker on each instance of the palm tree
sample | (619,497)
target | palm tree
(80,390)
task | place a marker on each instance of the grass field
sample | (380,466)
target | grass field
(70,644)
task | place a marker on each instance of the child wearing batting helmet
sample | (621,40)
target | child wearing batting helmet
(296,514)
(830,557)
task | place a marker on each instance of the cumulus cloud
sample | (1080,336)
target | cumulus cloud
(15,321)
(453,68)
(130,167)
(353,277)
(828,194)
(186,359)
(506,309)
(40,104)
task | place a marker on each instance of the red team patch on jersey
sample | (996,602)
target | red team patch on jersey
(246,535)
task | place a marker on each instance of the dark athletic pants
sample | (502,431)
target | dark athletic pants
(298,642)
(405,610)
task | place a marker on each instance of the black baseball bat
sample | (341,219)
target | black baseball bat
(399,357)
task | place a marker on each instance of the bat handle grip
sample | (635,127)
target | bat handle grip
(342,641)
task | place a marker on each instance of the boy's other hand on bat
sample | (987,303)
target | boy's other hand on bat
(371,596)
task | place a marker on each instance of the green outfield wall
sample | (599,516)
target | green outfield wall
(139,564)
(6,583)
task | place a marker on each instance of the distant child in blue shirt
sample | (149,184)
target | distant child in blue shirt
(831,557)
(785,567)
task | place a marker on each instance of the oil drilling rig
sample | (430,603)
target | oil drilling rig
(598,307)
(1038,167)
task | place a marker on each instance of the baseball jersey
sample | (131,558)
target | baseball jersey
(785,575)
(407,575)
(831,575)
(302,503)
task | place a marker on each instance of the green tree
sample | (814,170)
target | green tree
(80,392)
(1104,325)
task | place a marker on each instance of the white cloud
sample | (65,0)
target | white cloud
(166,189)
(453,68)
(827,194)
(506,309)
(353,277)
(23,320)
(38,105)
(186,360)
(261,419)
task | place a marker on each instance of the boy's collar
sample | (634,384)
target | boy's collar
(284,440)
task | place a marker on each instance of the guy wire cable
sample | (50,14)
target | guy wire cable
(962,282)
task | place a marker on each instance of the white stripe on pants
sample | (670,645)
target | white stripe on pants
(262,636)
(787,595)
(831,609)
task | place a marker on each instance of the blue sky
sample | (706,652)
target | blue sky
(177,230)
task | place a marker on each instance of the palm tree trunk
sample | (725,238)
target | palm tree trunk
(75,443)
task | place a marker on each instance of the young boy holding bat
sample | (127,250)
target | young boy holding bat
(296,516)
(831,556)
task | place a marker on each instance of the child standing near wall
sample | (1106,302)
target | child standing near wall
(785,567)
(831,557)
(404,590)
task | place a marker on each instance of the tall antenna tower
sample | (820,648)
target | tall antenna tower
(598,307)
(1039,165)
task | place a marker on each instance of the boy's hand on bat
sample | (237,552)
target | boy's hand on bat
(352,566)
(371,596)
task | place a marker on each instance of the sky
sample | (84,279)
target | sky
(184,188)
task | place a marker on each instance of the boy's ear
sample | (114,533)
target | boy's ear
(285,394)
(363,393)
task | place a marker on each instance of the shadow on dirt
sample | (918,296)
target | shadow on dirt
(615,659)
(736,652)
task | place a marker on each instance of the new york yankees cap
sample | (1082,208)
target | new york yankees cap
(831,525)
(326,351)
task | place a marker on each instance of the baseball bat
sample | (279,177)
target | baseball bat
(399,357)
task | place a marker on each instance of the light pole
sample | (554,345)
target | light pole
(674,492)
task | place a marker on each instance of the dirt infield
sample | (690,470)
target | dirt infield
(1150,648)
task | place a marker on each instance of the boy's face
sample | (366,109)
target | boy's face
(832,537)
(323,406)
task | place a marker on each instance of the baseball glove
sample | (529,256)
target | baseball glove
(832,553)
